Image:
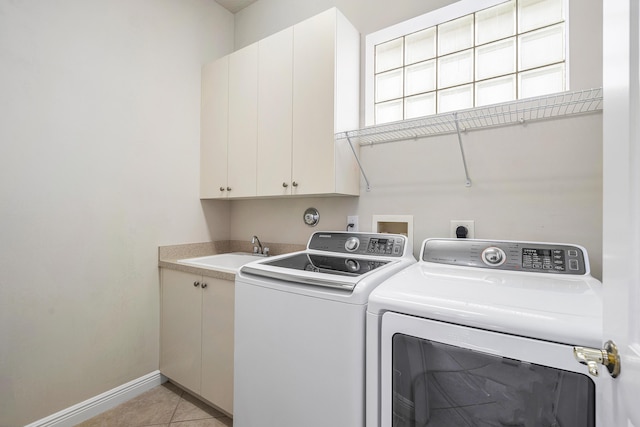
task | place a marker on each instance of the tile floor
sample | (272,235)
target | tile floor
(163,406)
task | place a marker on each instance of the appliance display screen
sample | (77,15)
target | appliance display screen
(543,259)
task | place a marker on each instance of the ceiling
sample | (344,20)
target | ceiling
(234,6)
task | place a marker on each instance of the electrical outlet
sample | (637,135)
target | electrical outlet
(468,224)
(352,219)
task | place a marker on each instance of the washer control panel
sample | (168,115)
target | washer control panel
(388,245)
(505,255)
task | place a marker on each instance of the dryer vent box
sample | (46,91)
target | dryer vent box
(394,224)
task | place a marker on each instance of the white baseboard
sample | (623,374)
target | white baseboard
(96,405)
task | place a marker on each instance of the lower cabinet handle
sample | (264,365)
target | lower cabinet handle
(196,284)
(204,285)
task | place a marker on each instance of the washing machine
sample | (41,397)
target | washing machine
(300,330)
(485,333)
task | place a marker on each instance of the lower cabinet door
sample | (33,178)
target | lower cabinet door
(181,328)
(217,342)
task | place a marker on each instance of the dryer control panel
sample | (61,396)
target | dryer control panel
(535,257)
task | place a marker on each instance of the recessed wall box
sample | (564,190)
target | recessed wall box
(394,224)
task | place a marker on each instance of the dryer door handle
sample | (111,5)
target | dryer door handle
(592,357)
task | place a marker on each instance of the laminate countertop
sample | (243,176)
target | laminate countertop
(168,256)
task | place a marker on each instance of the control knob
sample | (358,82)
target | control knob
(352,244)
(494,256)
(311,267)
(352,265)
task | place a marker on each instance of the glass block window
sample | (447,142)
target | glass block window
(513,50)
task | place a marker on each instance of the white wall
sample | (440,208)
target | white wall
(266,17)
(541,181)
(99,148)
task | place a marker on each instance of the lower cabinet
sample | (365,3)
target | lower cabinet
(196,335)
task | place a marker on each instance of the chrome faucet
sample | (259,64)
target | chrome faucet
(259,250)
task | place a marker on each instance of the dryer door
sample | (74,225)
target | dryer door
(436,374)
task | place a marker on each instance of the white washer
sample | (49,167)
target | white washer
(300,330)
(482,333)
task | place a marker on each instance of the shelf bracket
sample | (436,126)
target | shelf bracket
(464,160)
(353,150)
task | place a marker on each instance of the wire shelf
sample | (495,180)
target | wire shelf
(515,112)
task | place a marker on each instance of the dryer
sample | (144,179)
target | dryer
(483,333)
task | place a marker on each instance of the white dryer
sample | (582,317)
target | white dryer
(483,333)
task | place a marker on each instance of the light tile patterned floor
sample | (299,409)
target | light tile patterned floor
(163,406)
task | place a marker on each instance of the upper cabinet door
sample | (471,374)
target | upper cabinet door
(275,109)
(243,119)
(326,88)
(313,104)
(214,116)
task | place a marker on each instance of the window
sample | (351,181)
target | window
(469,54)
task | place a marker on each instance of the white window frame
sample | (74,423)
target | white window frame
(430,19)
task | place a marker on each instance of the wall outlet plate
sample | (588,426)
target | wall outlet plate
(468,223)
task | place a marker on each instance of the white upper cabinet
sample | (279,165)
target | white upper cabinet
(287,96)
(214,117)
(326,87)
(275,113)
(228,126)
(326,53)
(243,119)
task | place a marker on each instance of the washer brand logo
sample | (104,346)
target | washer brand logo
(326,236)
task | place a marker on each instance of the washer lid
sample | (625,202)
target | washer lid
(338,259)
(319,269)
(342,266)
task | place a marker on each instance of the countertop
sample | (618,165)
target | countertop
(169,255)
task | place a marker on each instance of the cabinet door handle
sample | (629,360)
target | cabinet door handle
(285,185)
(221,188)
(295,184)
(196,284)
(228,188)
(204,285)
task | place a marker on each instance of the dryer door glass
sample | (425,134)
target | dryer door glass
(437,385)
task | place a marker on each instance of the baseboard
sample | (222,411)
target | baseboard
(96,405)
